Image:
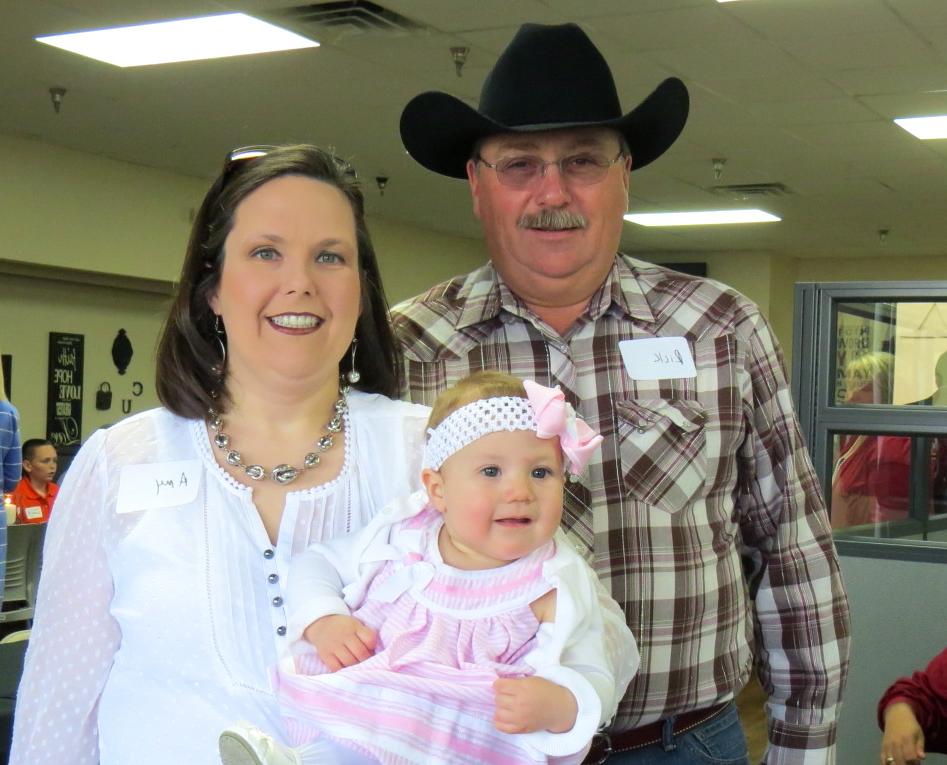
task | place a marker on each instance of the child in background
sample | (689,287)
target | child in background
(35,493)
(459,625)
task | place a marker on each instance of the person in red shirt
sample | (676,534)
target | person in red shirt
(34,494)
(913,715)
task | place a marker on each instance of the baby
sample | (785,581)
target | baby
(459,625)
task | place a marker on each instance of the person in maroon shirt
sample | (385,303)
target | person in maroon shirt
(34,494)
(913,715)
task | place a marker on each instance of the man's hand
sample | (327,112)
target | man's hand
(528,704)
(341,641)
(903,741)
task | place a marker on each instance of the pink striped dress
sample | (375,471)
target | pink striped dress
(444,636)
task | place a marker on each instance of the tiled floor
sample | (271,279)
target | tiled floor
(753,716)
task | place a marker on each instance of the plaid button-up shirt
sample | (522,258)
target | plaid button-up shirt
(703,485)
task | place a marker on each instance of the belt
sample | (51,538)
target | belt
(605,743)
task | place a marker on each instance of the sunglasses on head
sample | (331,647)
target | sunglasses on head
(237,157)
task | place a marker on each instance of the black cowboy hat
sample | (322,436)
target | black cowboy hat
(548,77)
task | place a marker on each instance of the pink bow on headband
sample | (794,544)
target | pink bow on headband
(556,417)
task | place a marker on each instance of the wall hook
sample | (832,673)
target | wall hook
(56,94)
(459,54)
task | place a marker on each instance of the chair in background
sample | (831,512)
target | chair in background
(11,668)
(24,561)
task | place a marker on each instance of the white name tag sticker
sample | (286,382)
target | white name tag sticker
(162,484)
(657,358)
(32,513)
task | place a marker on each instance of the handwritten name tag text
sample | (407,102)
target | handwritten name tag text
(657,358)
(152,486)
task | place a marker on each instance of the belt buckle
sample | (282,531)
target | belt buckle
(600,750)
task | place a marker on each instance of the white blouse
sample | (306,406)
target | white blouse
(157,628)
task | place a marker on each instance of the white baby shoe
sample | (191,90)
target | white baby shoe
(245,744)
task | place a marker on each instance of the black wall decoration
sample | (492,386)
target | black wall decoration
(122,351)
(103,397)
(64,389)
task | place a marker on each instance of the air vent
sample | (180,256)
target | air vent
(345,16)
(751,190)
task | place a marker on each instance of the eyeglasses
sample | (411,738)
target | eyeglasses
(521,172)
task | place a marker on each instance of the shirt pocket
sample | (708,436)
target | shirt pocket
(663,455)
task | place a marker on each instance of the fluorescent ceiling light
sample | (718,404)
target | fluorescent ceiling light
(231,34)
(703,218)
(925,128)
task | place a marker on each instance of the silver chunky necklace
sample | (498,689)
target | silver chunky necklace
(282,474)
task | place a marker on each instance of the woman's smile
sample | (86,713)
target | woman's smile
(295,323)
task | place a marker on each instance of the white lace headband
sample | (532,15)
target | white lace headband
(475,420)
(544,411)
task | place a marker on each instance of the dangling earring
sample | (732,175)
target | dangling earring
(221,334)
(352,375)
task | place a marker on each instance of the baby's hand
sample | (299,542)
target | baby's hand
(528,704)
(341,641)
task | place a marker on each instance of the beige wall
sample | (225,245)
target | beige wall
(412,259)
(872,269)
(73,210)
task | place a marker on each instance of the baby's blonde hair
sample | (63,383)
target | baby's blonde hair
(472,388)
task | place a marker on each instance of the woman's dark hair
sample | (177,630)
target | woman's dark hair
(189,352)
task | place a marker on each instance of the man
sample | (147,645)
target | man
(703,463)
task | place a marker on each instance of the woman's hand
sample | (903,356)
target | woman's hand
(341,641)
(528,704)
(903,740)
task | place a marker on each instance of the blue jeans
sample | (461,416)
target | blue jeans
(718,741)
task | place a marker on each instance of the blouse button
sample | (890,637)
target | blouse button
(268,553)
(281,631)
(273,578)
(277,601)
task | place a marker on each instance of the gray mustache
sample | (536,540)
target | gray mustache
(553,220)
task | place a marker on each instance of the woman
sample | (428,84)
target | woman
(161,610)
(854,498)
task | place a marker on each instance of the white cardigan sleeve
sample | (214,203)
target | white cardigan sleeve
(586,650)
(74,637)
(332,576)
